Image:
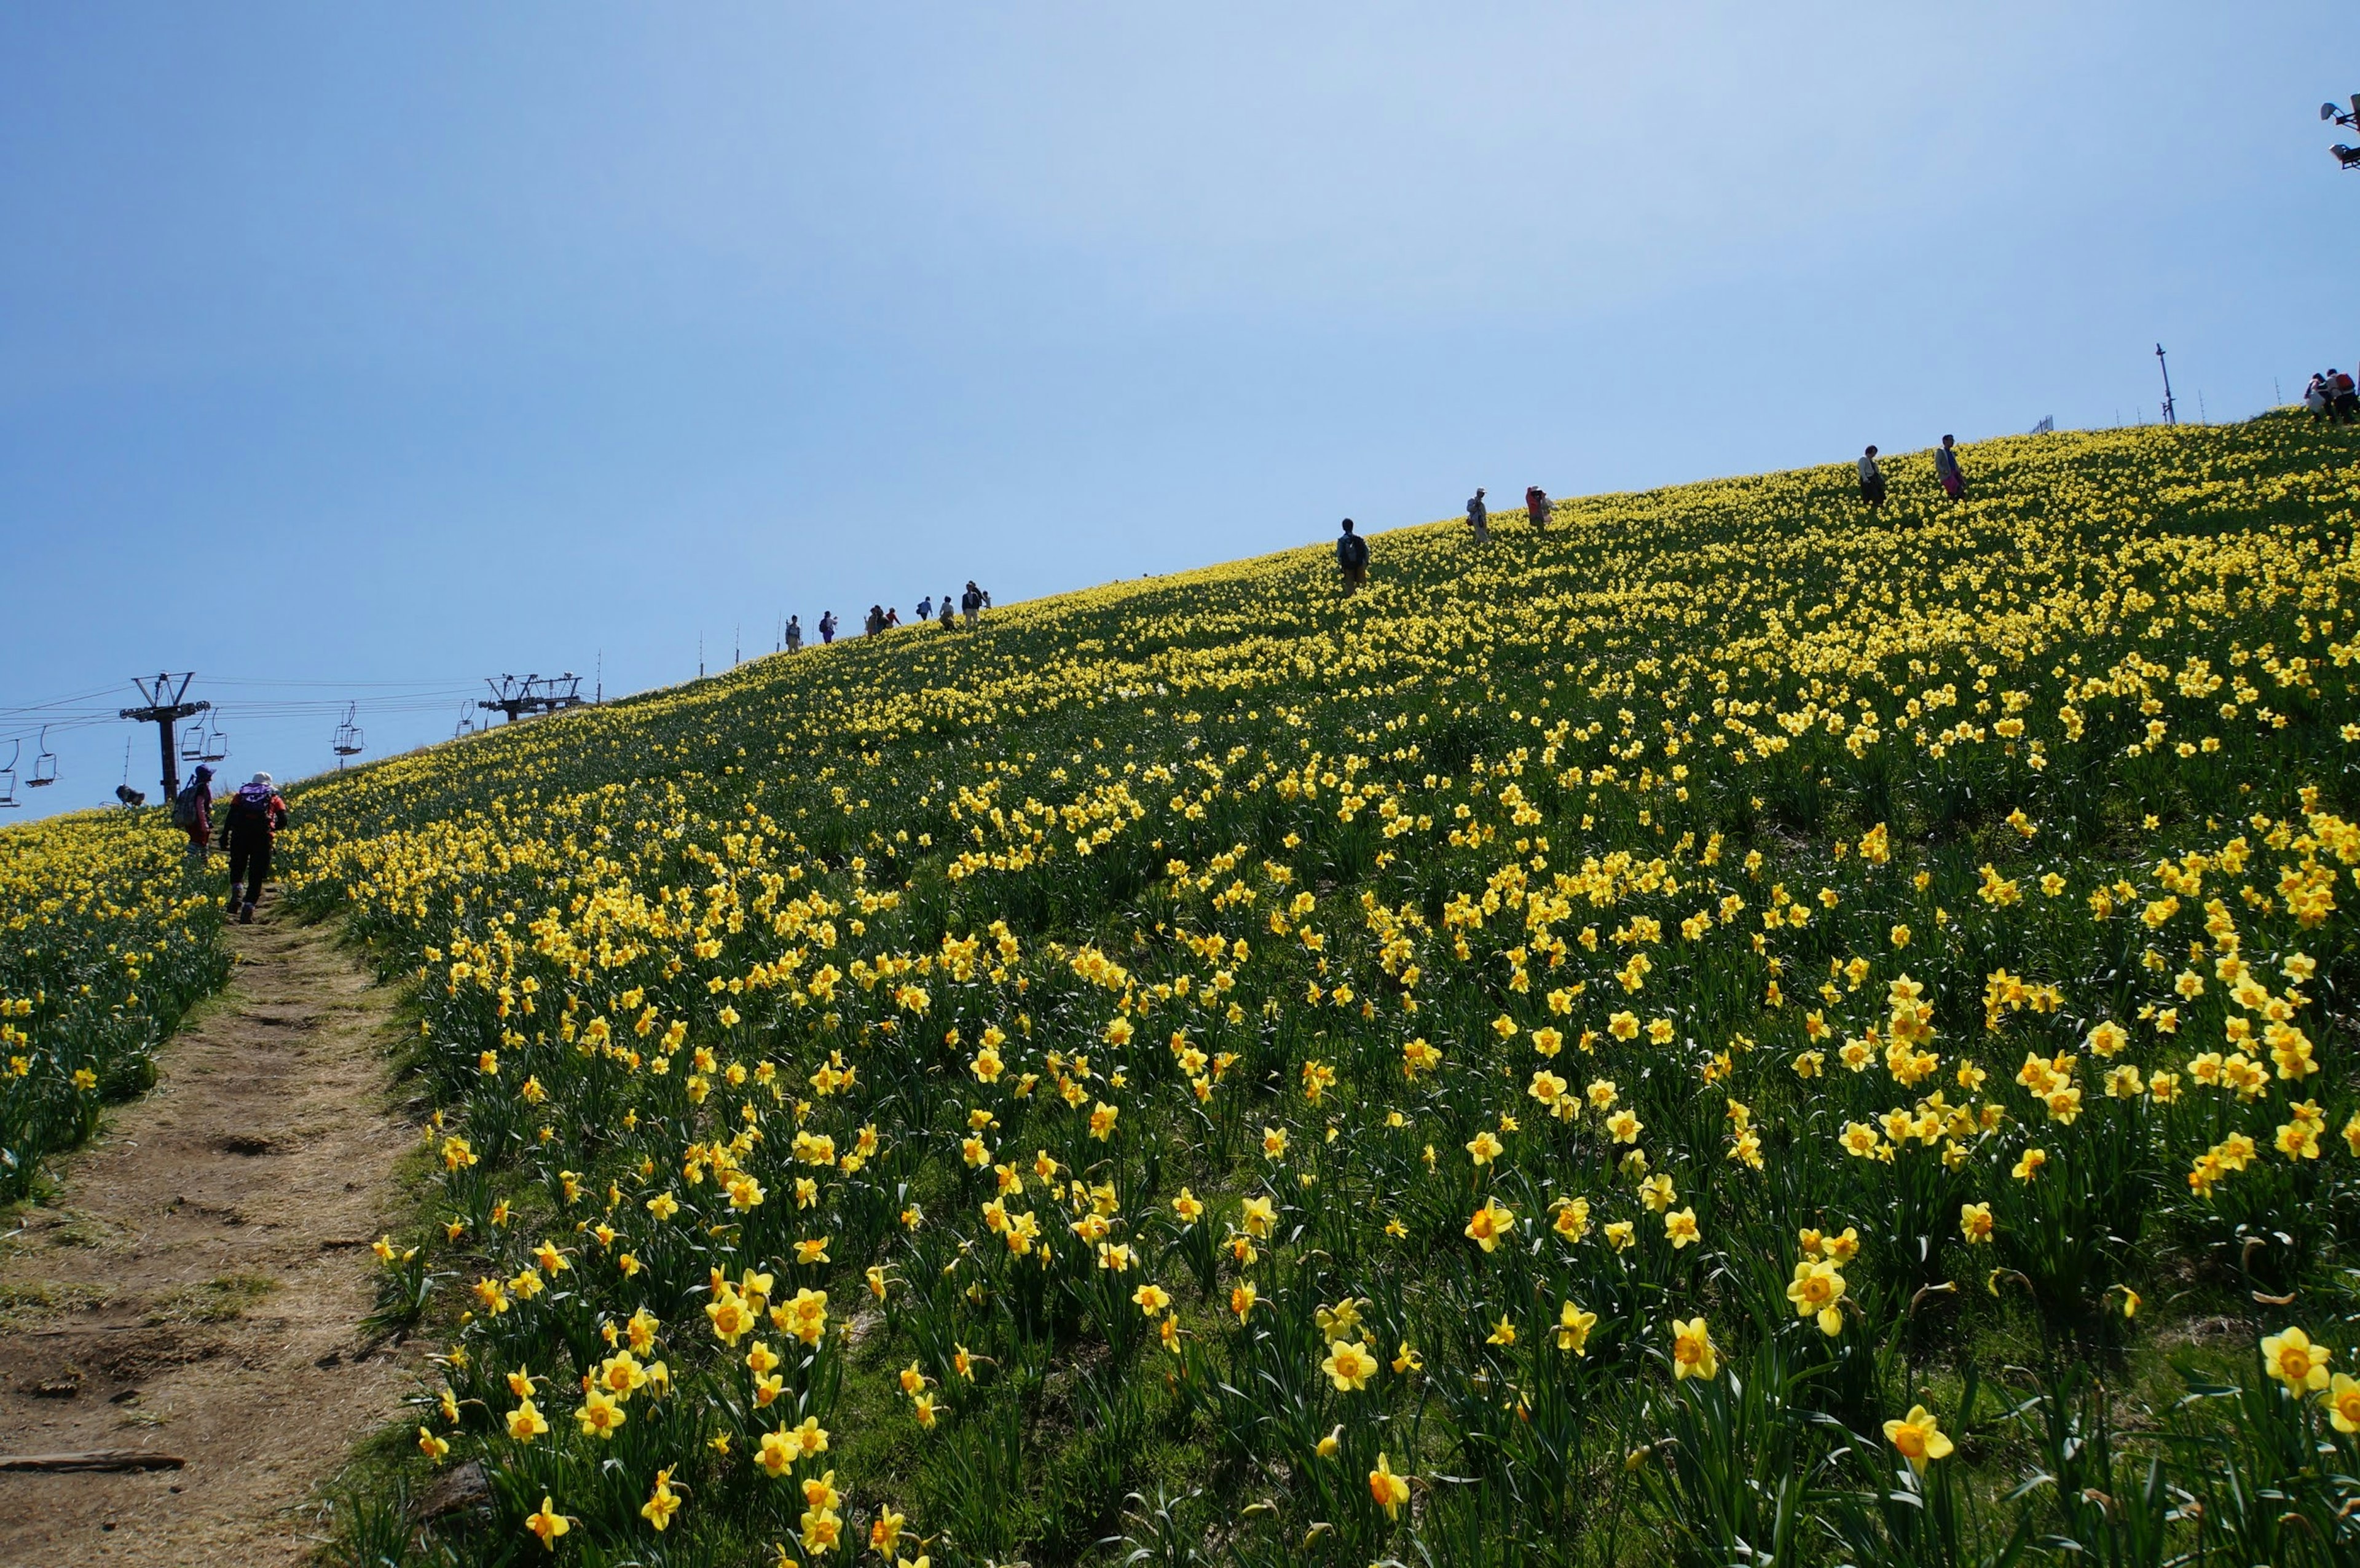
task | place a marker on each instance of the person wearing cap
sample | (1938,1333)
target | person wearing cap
(1537,508)
(192,812)
(1479,516)
(250,826)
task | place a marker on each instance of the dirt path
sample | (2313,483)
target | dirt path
(197,1286)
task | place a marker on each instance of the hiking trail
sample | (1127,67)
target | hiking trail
(194,1285)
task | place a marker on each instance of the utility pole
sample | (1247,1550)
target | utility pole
(163,708)
(2169,418)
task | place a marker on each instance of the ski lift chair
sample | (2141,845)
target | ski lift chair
(8,777)
(216,743)
(347,741)
(192,743)
(44,765)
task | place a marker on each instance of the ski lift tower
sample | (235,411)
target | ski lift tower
(165,706)
(2345,156)
(532,694)
(2169,417)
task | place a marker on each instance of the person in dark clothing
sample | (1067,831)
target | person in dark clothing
(250,826)
(1479,516)
(1946,470)
(1872,480)
(192,813)
(971,602)
(827,627)
(1352,557)
(1536,506)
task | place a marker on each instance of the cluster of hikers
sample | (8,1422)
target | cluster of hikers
(972,604)
(1947,472)
(2332,395)
(250,821)
(1352,550)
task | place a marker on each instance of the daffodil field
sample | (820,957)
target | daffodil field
(1733,1029)
(104,942)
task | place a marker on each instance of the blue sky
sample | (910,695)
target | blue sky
(361,350)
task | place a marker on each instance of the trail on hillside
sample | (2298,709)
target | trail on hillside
(196,1285)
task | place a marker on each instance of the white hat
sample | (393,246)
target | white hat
(263,778)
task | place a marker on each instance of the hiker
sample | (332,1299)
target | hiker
(1479,516)
(1352,556)
(1536,506)
(1872,480)
(2342,397)
(874,622)
(894,615)
(192,813)
(255,815)
(2315,396)
(925,607)
(827,627)
(1946,469)
(794,634)
(947,621)
(971,602)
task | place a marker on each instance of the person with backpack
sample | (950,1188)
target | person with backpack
(1537,508)
(192,813)
(1352,556)
(827,627)
(1479,516)
(925,607)
(2342,397)
(1946,469)
(250,826)
(794,634)
(1872,481)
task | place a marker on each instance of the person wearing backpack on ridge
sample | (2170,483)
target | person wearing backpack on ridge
(192,813)
(1352,557)
(1479,516)
(250,826)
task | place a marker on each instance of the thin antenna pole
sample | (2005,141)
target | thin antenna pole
(598,698)
(2169,417)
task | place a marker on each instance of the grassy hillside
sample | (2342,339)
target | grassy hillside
(1563,1056)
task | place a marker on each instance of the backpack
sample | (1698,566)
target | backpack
(186,814)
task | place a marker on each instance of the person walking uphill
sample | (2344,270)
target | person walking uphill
(1478,516)
(1872,481)
(1946,470)
(255,815)
(192,813)
(1352,556)
(1536,506)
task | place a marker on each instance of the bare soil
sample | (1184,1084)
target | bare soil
(196,1284)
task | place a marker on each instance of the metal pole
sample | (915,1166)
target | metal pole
(2169,418)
